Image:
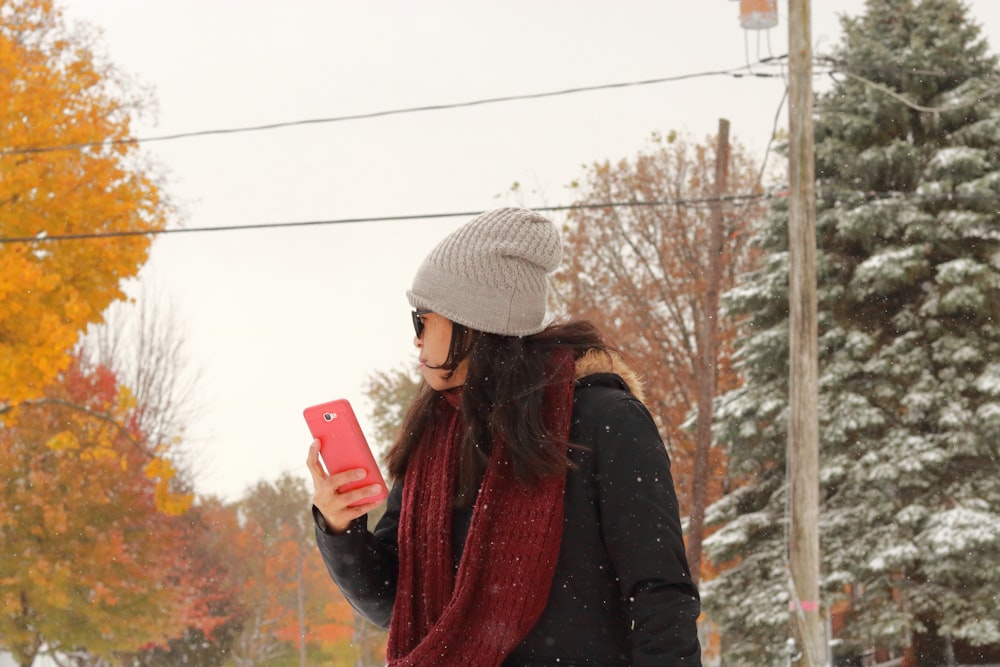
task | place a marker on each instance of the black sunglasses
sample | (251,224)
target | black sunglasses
(418,321)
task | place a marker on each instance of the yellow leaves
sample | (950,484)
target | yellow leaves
(126,400)
(160,469)
(57,93)
(63,441)
(98,453)
(93,543)
(167,501)
(170,503)
(75,309)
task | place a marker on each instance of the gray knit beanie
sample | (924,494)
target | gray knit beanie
(490,273)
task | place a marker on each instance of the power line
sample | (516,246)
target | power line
(742,71)
(735,72)
(829,196)
(42,237)
(770,141)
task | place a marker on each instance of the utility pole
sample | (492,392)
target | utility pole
(708,345)
(803,428)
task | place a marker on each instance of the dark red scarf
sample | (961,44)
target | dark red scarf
(476,617)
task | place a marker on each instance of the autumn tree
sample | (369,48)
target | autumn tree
(144,346)
(644,272)
(210,528)
(293,612)
(66,167)
(85,493)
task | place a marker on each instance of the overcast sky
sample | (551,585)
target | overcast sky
(276,320)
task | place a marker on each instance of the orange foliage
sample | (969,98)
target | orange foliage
(55,92)
(280,570)
(89,558)
(643,272)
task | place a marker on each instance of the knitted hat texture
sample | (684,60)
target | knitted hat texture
(490,274)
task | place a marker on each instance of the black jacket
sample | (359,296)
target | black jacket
(622,592)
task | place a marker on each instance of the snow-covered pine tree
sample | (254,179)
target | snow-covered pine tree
(908,263)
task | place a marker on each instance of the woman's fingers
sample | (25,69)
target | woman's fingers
(340,508)
(315,467)
(347,476)
(322,478)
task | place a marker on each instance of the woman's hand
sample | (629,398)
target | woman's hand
(338,509)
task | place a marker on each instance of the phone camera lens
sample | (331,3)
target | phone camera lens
(329,416)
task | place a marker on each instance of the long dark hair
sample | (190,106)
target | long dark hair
(502,397)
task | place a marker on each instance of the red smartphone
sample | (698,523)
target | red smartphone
(342,444)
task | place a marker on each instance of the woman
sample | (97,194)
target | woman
(533,519)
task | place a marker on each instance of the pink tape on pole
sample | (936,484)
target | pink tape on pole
(806,605)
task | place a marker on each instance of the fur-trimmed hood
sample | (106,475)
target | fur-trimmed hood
(599,361)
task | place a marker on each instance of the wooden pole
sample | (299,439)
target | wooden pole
(803,431)
(708,344)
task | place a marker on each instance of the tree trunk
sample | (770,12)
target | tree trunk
(301,595)
(24,654)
